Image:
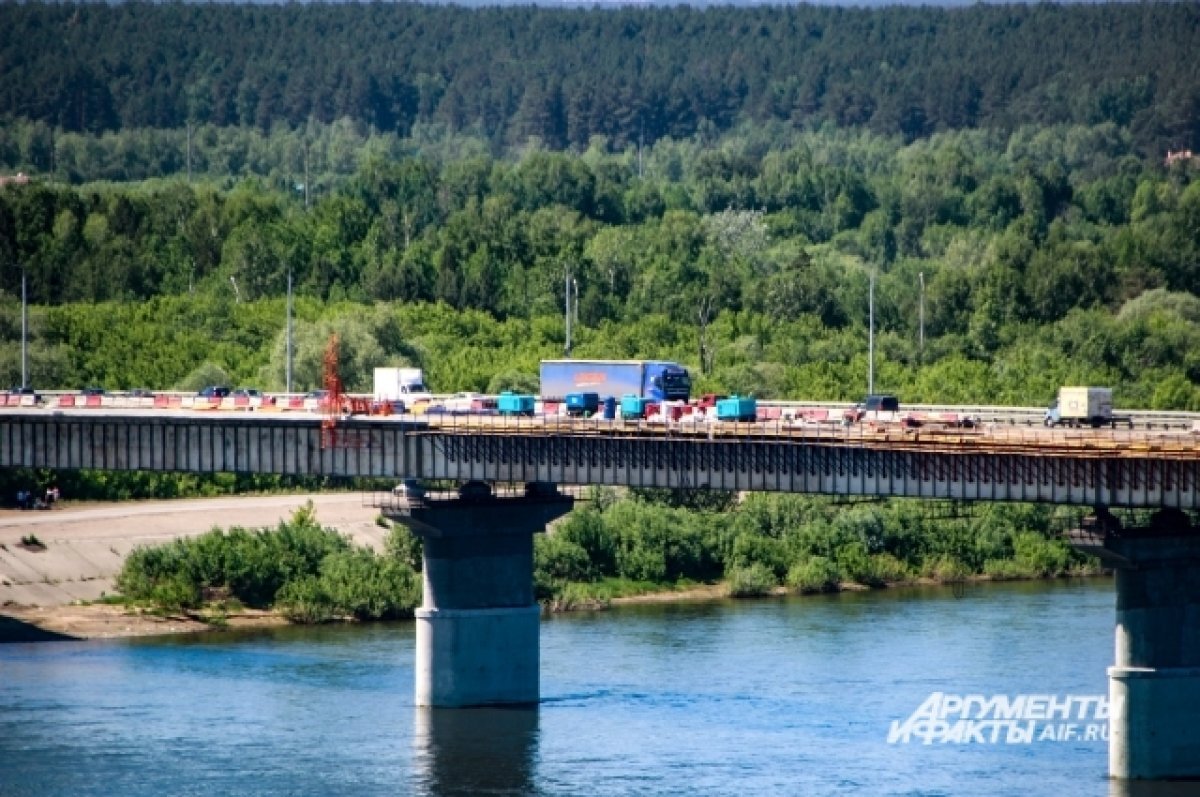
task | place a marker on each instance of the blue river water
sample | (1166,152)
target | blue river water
(764,697)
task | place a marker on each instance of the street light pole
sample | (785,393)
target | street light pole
(871,336)
(289,332)
(921,279)
(24,332)
(568,311)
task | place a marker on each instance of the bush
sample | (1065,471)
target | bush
(752,581)
(586,528)
(559,559)
(815,574)
(364,586)
(177,593)
(312,572)
(304,601)
(887,569)
(1005,570)
(947,569)
(404,546)
(1043,557)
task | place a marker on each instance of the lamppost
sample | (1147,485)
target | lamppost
(289,332)
(921,350)
(567,291)
(871,335)
(24,332)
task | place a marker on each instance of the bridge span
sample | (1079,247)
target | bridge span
(477,629)
(1106,467)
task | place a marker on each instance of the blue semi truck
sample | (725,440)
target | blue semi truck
(653,380)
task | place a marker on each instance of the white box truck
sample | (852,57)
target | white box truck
(403,387)
(1084,406)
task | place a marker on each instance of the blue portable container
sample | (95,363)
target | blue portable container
(582,404)
(633,406)
(737,408)
(610,408)
(509,403)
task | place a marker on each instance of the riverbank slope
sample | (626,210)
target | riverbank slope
(51,560)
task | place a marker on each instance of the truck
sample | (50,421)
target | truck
(401,387)
(1084,406)
(653,380)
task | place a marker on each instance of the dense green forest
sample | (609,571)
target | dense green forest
(631,75)
(1041,257)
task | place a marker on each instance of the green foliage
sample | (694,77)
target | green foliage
(131,283)
(404,546)
(814,574)
(810,543)
(751,581)
(309,573)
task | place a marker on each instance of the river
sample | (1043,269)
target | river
(764,697)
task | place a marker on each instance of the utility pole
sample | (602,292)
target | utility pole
(237,295)
(921,350)
(567,289)
(306,172)
(871,335)
(24,332)
(289,332)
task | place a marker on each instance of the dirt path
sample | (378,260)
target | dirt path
(82,547)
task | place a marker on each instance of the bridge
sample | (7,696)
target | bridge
(477,629)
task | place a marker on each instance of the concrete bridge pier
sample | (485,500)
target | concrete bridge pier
(1154,684)
(478,625)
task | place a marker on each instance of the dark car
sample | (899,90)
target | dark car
(141,392)
(248,392)
(214,392)
(881,403)
(92,391)
(25,390)
(871,406)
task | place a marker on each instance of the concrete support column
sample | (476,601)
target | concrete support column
(478,625)
(1154,684)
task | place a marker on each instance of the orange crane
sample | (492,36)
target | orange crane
(336,404)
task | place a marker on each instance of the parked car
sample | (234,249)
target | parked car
(141,392)
(875,407)
(464,402)
(92,391)
(25,390)
(249,392)
(214,392)
(410,489)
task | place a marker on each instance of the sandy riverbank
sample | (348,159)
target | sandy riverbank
(46,589)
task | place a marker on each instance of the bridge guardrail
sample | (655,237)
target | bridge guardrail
(301,402)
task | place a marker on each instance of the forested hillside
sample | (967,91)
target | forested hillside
(717,186)
(1046,257)
(629,74)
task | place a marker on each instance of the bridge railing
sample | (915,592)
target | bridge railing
(1037,440)
(295,402)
